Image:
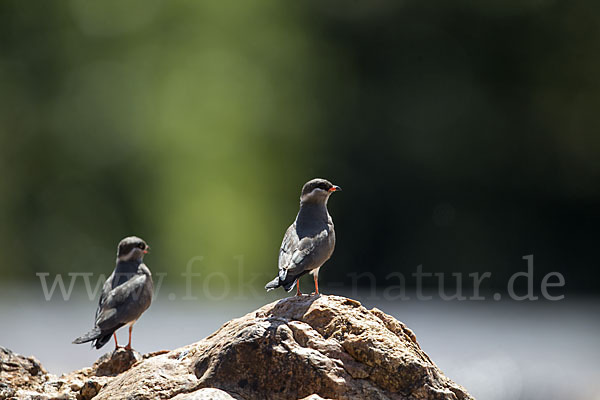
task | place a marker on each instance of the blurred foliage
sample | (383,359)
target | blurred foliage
(465,134)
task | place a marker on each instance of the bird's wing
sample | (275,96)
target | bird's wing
(296,255)
(288,247)
(106,288)
(124,303)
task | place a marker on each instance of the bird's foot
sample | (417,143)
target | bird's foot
(315,294)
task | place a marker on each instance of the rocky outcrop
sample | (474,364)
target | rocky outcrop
(308,347)
(25,378)
(18,373)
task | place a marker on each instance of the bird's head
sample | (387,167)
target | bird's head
(132,248)
(317,191)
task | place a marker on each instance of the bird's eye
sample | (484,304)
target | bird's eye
(142,246)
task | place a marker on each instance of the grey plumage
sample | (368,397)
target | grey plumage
(126,294)
(309,242)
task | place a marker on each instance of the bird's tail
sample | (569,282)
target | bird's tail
(88,337)
(288,286)
(100,337)
(102,340)
(288,283)
(274,284)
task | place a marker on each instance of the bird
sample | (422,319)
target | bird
(309,242)
(126,294)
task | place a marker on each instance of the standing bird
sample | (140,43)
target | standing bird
(126,294)
(310,240)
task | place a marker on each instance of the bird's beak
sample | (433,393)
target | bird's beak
(147,249)
(335,189)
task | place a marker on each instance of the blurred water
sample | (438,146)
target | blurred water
(497,350)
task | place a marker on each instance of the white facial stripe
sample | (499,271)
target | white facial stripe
(317,194)
(128,256)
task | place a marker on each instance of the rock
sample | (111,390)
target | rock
(308,347)
(6,391)
(89,390)
(205,394)
(19,373)
(325,345)
(25,378)
(76,385)
(120,360)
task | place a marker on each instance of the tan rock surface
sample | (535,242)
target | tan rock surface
(307,347)
(19,373)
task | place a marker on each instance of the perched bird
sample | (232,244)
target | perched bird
(126,294)
(310,240)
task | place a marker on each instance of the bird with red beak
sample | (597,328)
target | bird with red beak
(309,241)
(126,294)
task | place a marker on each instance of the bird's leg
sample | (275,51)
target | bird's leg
(316,285)
(128,347)
(298,288)
(116,343)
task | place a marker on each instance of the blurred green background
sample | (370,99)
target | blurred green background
(464,134)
